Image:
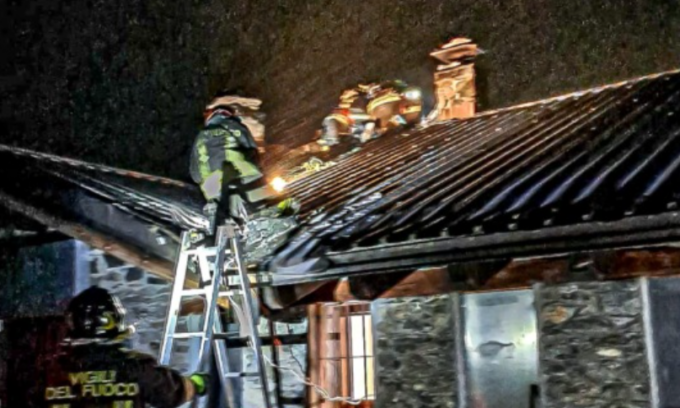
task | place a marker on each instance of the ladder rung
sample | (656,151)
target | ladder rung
(283,340)
(193,292)
(189,335)
(209,251)
(241,375)
(201,292)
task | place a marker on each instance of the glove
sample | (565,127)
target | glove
(288,207)
(200,382)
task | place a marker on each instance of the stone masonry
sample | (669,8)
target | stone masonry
(592,345)
(145,299)
(415,352)
(591,337)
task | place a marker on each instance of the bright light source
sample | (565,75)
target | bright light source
(279,184)
(529,338)
(413,94)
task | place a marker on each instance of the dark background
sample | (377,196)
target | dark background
(124,82)
(33,345)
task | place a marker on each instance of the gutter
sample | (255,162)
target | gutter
(547,242)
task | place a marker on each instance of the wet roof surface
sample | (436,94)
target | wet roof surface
(141,195)
(121,206)
(600,155)
(606,158)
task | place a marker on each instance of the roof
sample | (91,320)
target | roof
(124,206)
(125,213)
(571,167)
(592,169)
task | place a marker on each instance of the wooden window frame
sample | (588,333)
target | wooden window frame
(331,357)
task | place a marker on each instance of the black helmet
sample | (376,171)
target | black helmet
(95,314)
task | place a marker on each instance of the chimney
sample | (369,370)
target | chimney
(454,81)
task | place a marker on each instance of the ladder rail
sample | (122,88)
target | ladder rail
(222,362)
(212,295)
(275,359)
(214,341)
(252,320)
(211,318)
(175,300)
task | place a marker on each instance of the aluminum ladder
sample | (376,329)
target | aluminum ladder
(214,278)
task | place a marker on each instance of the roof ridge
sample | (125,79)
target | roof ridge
(580,93)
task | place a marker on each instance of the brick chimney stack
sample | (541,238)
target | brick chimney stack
(454,81)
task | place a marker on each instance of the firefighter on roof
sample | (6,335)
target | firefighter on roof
(370,110)
(95,370)
(348,119)
(393,104)
(225,162)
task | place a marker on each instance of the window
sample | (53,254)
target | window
(342,356)
(361,351)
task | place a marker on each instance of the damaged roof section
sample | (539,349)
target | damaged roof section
(587,158)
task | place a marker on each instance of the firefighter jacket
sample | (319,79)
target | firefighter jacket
(98,376)
(223,141)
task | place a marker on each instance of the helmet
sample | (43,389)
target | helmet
(95,314)
(396,84)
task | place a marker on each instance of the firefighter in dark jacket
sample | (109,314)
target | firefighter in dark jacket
(225,163)
(224,160)
(96,370)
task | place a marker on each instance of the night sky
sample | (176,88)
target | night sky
(124,82)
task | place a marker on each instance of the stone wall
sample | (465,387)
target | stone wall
(145,298)
(592,345)
(591,339)
(415,352)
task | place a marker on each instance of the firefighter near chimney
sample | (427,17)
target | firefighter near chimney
(368,111)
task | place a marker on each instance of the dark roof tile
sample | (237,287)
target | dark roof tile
(596,155)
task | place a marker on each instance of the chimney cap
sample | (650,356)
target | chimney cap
(453,42)
(456,49)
